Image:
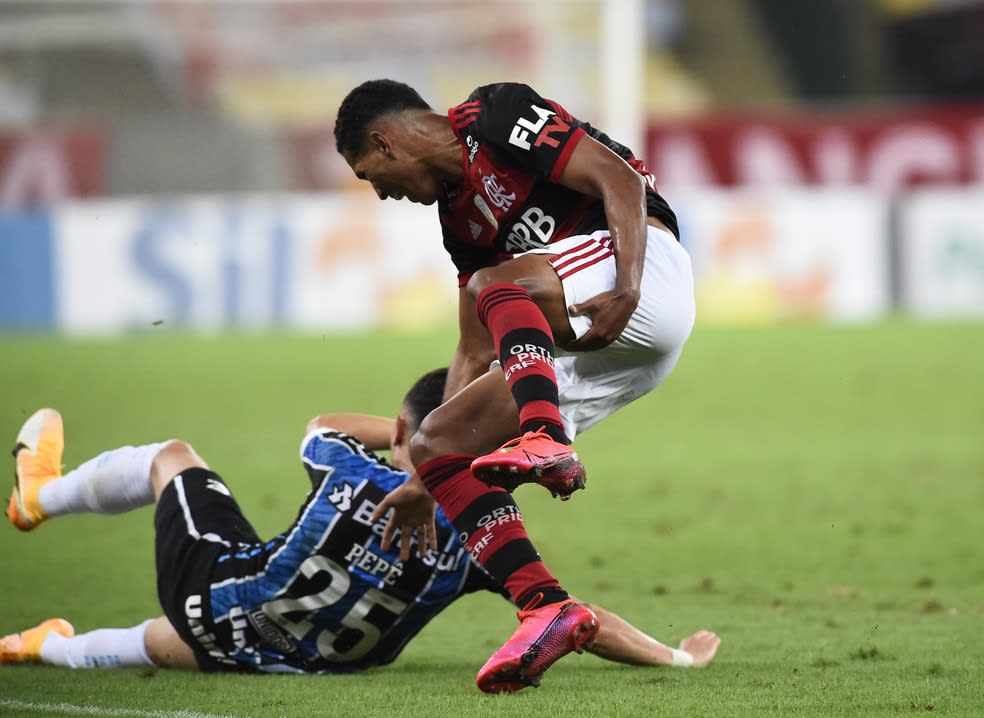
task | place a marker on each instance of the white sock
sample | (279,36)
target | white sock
(102,648)
(113,482)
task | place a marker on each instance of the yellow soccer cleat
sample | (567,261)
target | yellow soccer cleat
(38,453)
(25,647)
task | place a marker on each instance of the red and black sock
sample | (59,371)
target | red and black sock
(493,526)
(525,347)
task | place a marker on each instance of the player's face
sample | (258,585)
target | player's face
(394,174)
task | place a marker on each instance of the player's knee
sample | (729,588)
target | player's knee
(427,442)
(165,648)
(178,449)
(535,276)
(175,457)
(532,272)
(481,280)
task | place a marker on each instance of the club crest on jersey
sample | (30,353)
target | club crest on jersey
(498,195)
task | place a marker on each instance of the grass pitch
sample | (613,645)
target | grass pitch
(814,494)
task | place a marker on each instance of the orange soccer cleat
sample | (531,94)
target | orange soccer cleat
(535,457)
(545,635)
(38,453)
(25,647)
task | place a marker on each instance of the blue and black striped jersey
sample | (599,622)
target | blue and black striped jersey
(324,596)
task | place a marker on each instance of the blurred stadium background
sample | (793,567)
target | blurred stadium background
(183,253)
(171,165)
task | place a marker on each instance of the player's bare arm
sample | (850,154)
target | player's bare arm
(595,170)
(375,432)
(618,640)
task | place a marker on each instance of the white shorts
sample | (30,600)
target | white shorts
(595,384)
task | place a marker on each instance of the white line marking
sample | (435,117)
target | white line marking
(78,710)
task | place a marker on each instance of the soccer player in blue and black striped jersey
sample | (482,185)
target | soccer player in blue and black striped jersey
(321,597)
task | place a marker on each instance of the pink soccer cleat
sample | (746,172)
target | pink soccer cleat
(535,457)
(545,635)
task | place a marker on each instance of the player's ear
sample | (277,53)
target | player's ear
(400,433)
(378,142)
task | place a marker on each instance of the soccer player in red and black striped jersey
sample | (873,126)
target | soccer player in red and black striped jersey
(571,276)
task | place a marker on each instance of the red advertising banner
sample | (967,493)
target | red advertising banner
(39,168)
(878,149)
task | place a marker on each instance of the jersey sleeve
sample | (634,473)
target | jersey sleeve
(520,127)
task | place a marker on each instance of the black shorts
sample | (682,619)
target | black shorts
(196,520)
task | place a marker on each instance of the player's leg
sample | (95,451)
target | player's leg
(176,456)
(116,481)
(54,642)
(166,648)
(492,527)
(521,303)
(198,524)
(513,302)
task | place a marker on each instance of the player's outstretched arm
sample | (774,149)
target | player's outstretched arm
(620,641)
(373,431)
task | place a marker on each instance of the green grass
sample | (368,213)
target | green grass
(814,494)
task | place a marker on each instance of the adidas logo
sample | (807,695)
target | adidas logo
(475,227)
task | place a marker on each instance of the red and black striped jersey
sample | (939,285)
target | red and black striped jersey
(515,145)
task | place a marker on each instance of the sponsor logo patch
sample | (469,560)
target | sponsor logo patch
(269,631)
(341,497)
(473,146)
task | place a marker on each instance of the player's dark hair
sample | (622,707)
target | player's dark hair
(371,99)
(426,394)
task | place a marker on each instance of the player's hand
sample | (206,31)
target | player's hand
(609,312)
(702,646)
(412,510)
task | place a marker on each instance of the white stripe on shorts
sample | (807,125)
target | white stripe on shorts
(189,520)
(185,509)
